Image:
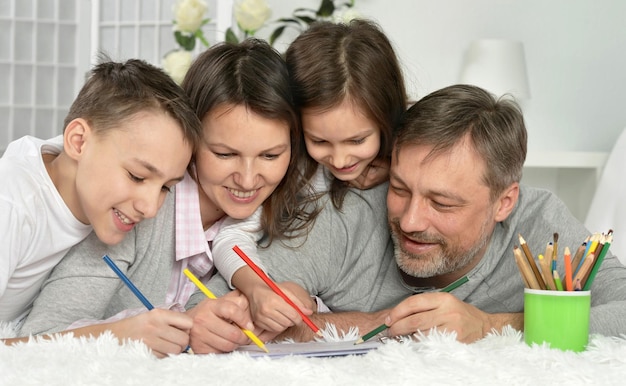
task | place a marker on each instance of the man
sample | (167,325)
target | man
(455,210)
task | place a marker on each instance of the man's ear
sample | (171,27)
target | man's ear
(506,202)
(74,137)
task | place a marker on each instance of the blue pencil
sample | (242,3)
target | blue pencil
(135,290)
(128,283)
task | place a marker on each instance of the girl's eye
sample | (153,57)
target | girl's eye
(134,177)
(270,156)
(167,189)
(358,141)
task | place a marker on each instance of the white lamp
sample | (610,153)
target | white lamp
(498,66)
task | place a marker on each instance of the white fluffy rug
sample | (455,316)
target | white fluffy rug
(436,359)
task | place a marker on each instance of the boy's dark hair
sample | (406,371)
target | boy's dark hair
(115,91)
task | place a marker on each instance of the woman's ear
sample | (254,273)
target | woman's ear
(506,202)
(74,137)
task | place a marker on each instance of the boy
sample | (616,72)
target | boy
(128,138)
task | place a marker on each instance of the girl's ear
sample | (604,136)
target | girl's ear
(74,137)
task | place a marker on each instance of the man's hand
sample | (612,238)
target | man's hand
(443,311)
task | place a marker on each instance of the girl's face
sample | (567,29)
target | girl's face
(343,139)
(241,160)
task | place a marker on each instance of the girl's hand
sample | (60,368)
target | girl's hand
(272,313)
(375,174)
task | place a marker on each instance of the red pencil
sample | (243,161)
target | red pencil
(275,288)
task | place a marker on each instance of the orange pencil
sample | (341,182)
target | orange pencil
(276,289)
(567,257)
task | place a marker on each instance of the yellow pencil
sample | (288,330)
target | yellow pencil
(210,295)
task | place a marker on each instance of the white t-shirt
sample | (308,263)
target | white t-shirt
(36,227)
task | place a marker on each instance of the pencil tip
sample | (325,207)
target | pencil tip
(359,341)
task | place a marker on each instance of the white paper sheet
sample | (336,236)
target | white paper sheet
(311,349)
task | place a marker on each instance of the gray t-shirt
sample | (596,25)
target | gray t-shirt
(347,260)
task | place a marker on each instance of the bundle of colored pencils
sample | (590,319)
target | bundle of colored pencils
(580,270)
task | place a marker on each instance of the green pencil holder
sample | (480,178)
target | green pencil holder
(559,318)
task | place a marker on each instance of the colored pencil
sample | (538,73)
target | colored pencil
(527,274)
(449,288)
(580,252)
(546,270)
(557,280)
(276,289)
(210,295)
(585,267)
(531,263)
(134,289)
(596,264)
(128,283)
(567,257)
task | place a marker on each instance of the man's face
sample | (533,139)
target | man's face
(440,212)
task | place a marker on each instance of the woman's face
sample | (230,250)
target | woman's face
(242,159)
(343,139)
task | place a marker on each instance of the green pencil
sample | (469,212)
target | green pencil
(596,265)
(383,327)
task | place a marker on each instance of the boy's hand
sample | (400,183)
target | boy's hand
(164,331)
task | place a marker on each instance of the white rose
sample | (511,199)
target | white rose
(346,16)
(176,63)
(189,15)
(251,14)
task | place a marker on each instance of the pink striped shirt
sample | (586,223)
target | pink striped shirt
(193,244)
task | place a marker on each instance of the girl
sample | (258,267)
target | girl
(349,89)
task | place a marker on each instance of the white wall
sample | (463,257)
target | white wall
(575,52)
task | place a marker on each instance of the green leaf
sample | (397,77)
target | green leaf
(307,20)
(326,8)
(187,42)
(231,37)
(200,36)
(276,34)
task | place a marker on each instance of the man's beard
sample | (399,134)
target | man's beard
(446,260)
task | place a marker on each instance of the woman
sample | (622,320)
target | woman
(247,159)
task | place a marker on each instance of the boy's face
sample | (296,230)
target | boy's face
(242,159)
(124,174)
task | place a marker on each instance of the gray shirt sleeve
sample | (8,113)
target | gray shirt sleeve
(83,286)
(346,258)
